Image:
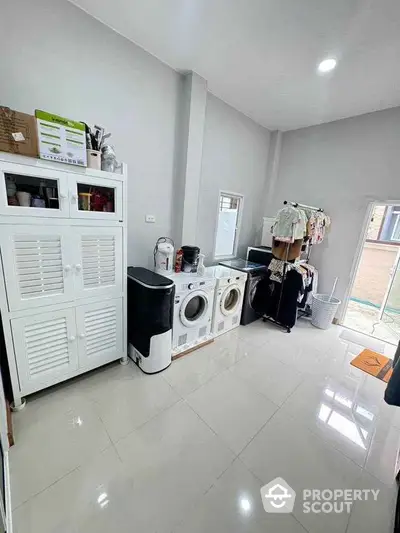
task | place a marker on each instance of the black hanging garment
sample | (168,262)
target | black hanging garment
(268,294)
(392,392)
(307,290)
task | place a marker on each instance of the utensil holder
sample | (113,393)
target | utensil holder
(94,159)
(24,198)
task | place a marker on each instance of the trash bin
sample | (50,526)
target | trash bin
(324,308)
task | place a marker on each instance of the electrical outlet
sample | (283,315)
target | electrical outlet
(150,219)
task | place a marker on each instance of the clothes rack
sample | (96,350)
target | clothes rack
(301,313)
(296,204)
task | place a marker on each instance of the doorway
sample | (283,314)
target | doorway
(374,300)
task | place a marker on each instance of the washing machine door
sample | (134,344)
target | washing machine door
(193,308)
(230,299)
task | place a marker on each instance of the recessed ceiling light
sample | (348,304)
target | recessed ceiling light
(327,65)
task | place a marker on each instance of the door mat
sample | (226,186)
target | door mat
(374,363)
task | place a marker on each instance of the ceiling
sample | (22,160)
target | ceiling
(260,56)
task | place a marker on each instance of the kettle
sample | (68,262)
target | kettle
(164,256)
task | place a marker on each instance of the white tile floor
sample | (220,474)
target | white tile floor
(187,450)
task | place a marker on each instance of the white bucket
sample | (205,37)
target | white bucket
(324,308)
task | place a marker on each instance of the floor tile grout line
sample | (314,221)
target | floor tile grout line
(330,444)
(211,378)
(48,487)
(321,439)
(206,423)
(202,384)
(386,485)
(300,524)
(261,428)
(348,521)
(219,372)
(111,440)
(114,442)
(262,483)
(302,380)
(140,426)
(229,367)
(247,383)
(219,437)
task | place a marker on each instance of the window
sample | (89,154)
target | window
(229,214)
(395,236)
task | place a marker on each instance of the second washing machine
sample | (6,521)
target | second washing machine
(255,274)
(193,309)
(228,301)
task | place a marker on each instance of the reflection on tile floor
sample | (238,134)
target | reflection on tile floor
(188,450)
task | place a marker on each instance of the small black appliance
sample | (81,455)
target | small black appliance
(190,258)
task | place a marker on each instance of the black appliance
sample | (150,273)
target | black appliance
(150,316)
(255,273)
(190,258)
(259,254)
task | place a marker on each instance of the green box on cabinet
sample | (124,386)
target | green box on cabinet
(61,139)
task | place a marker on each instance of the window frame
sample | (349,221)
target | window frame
(223,192)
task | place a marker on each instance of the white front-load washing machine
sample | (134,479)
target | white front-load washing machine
(228,301)
(193,310)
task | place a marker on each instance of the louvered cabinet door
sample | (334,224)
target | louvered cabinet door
(99,328)
(45,348)
(98,265)
(37,265)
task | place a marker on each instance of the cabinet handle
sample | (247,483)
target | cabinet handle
(74,198)
(67,268)
(62,196)
(72,338)
(78,267)
(81,335)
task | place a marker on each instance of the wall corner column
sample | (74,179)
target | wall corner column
(189,139)
(274,155)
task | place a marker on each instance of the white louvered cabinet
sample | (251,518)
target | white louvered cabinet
(53,346)
(45,348)
(62,271)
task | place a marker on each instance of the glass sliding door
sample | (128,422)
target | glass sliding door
(390,309)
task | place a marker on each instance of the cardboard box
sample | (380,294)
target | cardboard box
(61,139)
(18,133)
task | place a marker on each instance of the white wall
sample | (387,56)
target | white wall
(57,58)
(235,153)
(341,166)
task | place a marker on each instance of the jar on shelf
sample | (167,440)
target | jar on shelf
(108,158)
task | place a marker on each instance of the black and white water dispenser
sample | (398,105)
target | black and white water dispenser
(150,316)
